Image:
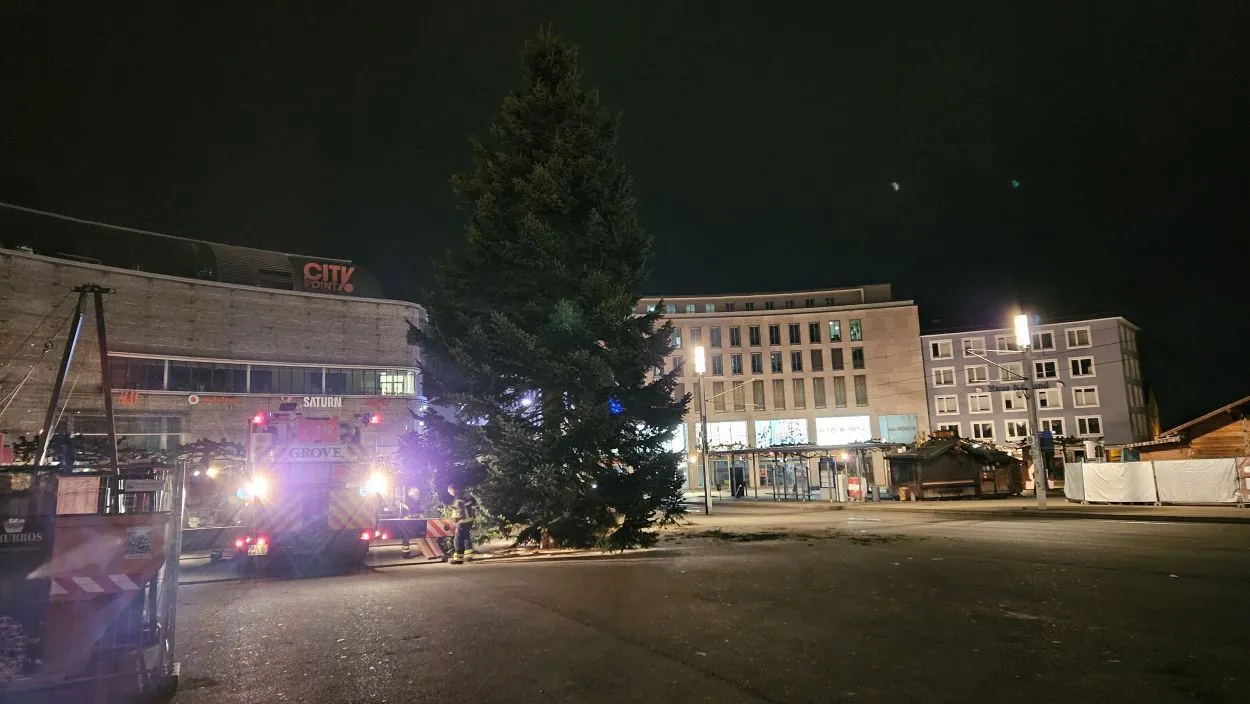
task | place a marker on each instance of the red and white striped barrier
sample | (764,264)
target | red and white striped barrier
(439,527)
(69,587)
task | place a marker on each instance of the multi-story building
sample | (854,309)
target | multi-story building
(1086,373)
(201,337)
(820,369)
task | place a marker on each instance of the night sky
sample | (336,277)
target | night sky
(763,137)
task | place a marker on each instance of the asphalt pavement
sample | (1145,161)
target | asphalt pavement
(752,606)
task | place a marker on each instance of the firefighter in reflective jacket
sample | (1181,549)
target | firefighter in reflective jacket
(462,508)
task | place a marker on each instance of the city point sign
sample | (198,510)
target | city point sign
(331,278)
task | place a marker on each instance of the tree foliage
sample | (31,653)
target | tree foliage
(552,380)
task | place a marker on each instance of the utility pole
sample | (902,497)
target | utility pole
(700,366)
(1024,340)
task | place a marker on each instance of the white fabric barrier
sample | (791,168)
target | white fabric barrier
(1119,482)
(1197,481)
(1074,481)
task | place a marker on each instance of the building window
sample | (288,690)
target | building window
(857,358)
(740,397)
(940,349)
(813,333)
(774,361)
(979,374)
(753,335)
(709,307)
(1044,341)
(214,377)
(828,300)
(952,427)
(735,364)
(839,391)
(303,380)
(676,338)
(857,330)
(757,394)
(796,338)
(718,396)
(137,432)
(973,346)
(1013,401)
(718,365)
(980,403)
(947,405)
(1089,426)
(796,361)
(1049,398)
(774,334)
(983,430)
(689,307)
(1005,343)
(769,305)
(1016,429)
(779,394)
(861,390)
(944,376)
(677,364)
(818,392)
(757,363)
(749,305)
(348,382)
(1085,397)
(143,374)
(729,307)
(835,359)
(1054,426)
(735,336)
(404,383)
(1082,366)
(696,336)
(789,303)
(800,393)
(670,308)
(818,360)
(1046,369)
(835,330)
(1011,371)
(1077,337)
(714,336)
(809,303)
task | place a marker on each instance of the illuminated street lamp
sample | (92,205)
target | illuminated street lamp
(1024,340)
(700,367)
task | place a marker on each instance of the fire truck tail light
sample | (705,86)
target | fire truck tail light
(261,540)
(238,543)
(375,419)
(365,535)
(386,536)
(258,419)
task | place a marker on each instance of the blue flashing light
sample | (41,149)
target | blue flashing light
(615,407)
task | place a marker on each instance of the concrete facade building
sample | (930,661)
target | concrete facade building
(195,358)
(823,368)
(1087,375)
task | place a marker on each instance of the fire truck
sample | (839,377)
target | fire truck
(311,492)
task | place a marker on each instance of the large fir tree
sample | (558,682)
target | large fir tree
(554,368)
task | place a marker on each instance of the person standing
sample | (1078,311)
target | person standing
(462,508)
(411,510)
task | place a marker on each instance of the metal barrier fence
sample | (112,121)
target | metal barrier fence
(105,590)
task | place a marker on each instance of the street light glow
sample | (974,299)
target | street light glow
(700,363)
(1022,331)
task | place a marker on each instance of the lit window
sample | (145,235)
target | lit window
(835,330)
(857,330)
(677,338)
(709,307)
(689,307)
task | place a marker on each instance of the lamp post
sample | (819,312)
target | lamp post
(1024,340)
(700,366)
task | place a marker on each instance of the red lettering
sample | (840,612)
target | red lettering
(313,272)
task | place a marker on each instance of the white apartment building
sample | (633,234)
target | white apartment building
(1086,375)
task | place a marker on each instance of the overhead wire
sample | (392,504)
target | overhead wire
(48,347)
(17,349)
